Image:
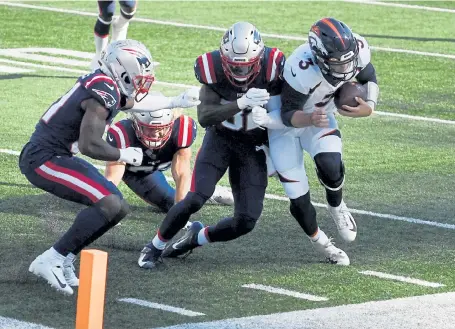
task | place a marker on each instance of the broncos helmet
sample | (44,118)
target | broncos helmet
(129,63)
(334,48)
(241,52)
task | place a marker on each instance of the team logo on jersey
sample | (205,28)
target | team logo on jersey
(109,100)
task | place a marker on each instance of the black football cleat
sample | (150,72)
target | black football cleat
(185,245)
(150,257)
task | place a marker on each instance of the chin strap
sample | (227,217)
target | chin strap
(372,94)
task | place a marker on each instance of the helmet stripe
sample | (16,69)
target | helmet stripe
(330,24)
(270,64)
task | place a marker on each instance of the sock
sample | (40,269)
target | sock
(87,223)
(202,237)
(54,254)
(315,237)
(120,28)
(321,239)
(158,242)
(100,44)
(334,198)
(69,259)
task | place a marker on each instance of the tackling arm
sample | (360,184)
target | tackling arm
(210,112)
(291,109)
(181,172)
(91,141)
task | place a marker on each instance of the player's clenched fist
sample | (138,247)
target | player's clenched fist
(319,118)
(131,155)
(253,97)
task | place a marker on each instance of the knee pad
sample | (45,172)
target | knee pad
(113,208)
(128,8)
(107,10)
(303,211)
(330,170)
(244,224)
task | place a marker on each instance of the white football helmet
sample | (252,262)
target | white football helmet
(130,64)
(154,128)
(241,52)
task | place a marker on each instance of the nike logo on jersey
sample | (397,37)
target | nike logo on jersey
(293,74)
(109,86)
(60,283)
(313,89)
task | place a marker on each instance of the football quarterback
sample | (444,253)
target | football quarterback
(313,73)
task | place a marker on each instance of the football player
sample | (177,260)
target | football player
(166,143)
(239,75)
(314,71)
(76,122)
(105,20)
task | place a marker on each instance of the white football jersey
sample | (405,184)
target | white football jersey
(303,74)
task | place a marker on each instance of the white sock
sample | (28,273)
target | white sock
(202,237)
(158,243)
(100,44)
(69,259)
(120,28)
(52,253)
(320,238)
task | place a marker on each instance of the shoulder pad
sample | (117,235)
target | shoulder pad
(364,51)
(274,61)
(300,71)
(206,67)
(186,130)
(119,134)
(103,89)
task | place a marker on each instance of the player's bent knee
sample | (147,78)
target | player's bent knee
(244,224)
(330,170)
(113,207)
(128,8)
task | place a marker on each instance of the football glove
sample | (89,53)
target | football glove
(131,155)
(188,98)
(270,120)
(253,97)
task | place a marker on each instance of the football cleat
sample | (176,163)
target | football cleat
(333,255)
(346,225)
(51,270)
(222,195)
(69,272)
(185,245)
(150,257)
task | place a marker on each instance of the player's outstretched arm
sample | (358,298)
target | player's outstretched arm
(210,112)
(114,172)
(181,172)
(91,141)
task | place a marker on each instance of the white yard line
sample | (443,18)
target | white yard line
(10,323)
(285,292)
(322,205)
(162,307)
(402,5)
(208,27)
(402,279)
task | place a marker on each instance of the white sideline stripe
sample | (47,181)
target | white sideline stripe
(163,307)
(181,85)
(9,69)
(322,205)
(402,279)
(285,292)
(10,323)
(401,5)
(207,27)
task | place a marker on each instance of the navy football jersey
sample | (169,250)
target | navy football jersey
(209,71)
(59,127)
(122,135)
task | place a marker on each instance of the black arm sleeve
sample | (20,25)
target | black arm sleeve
(367,74)
(292,101)
(210,112)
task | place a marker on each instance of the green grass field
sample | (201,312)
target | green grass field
(394,166)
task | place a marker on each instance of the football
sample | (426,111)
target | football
(348,92)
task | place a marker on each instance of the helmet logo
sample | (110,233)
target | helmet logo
(144,62)
(257,37)
(226,38)
(316,42)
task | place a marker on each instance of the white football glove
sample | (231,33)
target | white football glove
(131,155)
(253,97)
(260,116)
(188,98)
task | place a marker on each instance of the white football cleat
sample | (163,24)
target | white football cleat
(69,272)
(51,270)
(222,195)
(346,225)
(333,254)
